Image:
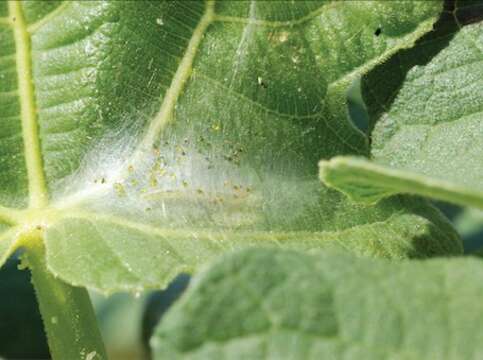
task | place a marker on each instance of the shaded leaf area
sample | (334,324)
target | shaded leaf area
(168,132)
(21,331)
(428,132)
(157,304)
(469,224)
(263,303)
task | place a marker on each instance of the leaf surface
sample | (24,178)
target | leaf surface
(143,133)
(428,139)
(279,304)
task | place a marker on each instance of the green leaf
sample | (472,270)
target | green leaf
(139,139)
(7,242)
(413,230)
(429,138)
(279,304)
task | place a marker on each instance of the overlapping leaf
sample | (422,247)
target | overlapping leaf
(429,138)
(141,138)
(274,304)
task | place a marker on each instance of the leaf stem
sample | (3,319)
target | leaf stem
(67,312)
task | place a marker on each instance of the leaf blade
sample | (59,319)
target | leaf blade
(368,182)
(244,94)
(8,237)
(114,253)
(338,313)
(426,155)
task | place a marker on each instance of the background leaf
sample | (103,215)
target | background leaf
(430,133)
(264,303)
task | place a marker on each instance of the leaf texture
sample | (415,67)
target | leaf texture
(429,138)
(279,304)
(136,134)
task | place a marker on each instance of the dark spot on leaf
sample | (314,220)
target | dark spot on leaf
(378,31)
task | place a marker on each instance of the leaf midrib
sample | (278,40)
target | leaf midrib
(37,187)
